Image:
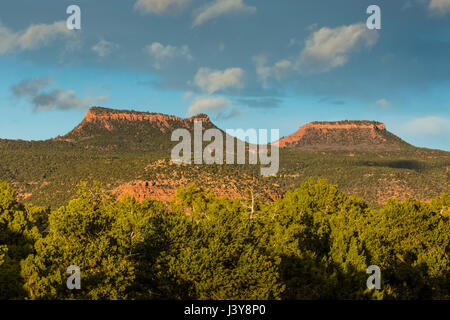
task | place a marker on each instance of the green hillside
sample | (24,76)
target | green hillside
(48,172)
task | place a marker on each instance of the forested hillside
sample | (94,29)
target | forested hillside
(129,152)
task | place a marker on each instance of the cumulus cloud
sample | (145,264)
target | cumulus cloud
(104,48)
(221,7)
(159,6)
(33,37)
(329,48)
(33,90)
(30,87)
(201,105)
(210,81)
(440,7)
(383,103)
(220,108)
(324,50)
(62,99)
(188,96)
(265,71)
(428,126)
(161,53)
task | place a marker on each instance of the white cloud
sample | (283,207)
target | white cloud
(329,48)
(324,49)
(428,126)
(33,91)
(265,72)
(162,53)
(441,7)
(104,48)
(210,81)
(209,104)
(33,37)
(159,6)
(188,96)
(222,7)
(8,40)
(312,27)
(383,103)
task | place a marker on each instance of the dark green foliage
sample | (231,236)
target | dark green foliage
(410,240)
(20,227)
(214,255)
(314,243)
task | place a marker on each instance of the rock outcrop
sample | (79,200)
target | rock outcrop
(345,135)
(163,122)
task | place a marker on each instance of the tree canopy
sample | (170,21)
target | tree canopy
(313,243)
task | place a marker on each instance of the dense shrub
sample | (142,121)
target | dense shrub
(314,243)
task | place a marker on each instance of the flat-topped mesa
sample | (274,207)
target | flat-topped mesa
(122,127)
(161,121)
(348,124)
(357,134)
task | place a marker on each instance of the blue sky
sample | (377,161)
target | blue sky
(246,63)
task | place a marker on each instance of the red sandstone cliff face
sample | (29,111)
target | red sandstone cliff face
(343,134)
(97,119)
(158,120)
(165,190)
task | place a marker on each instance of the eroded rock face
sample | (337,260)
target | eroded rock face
(141,190)
(158,120)
(342,135)
(165,190)
(102,126)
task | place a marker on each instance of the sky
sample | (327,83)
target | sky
(245,63)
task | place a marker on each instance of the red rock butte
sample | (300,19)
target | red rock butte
(343,134)
(158,120)
(360,135)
